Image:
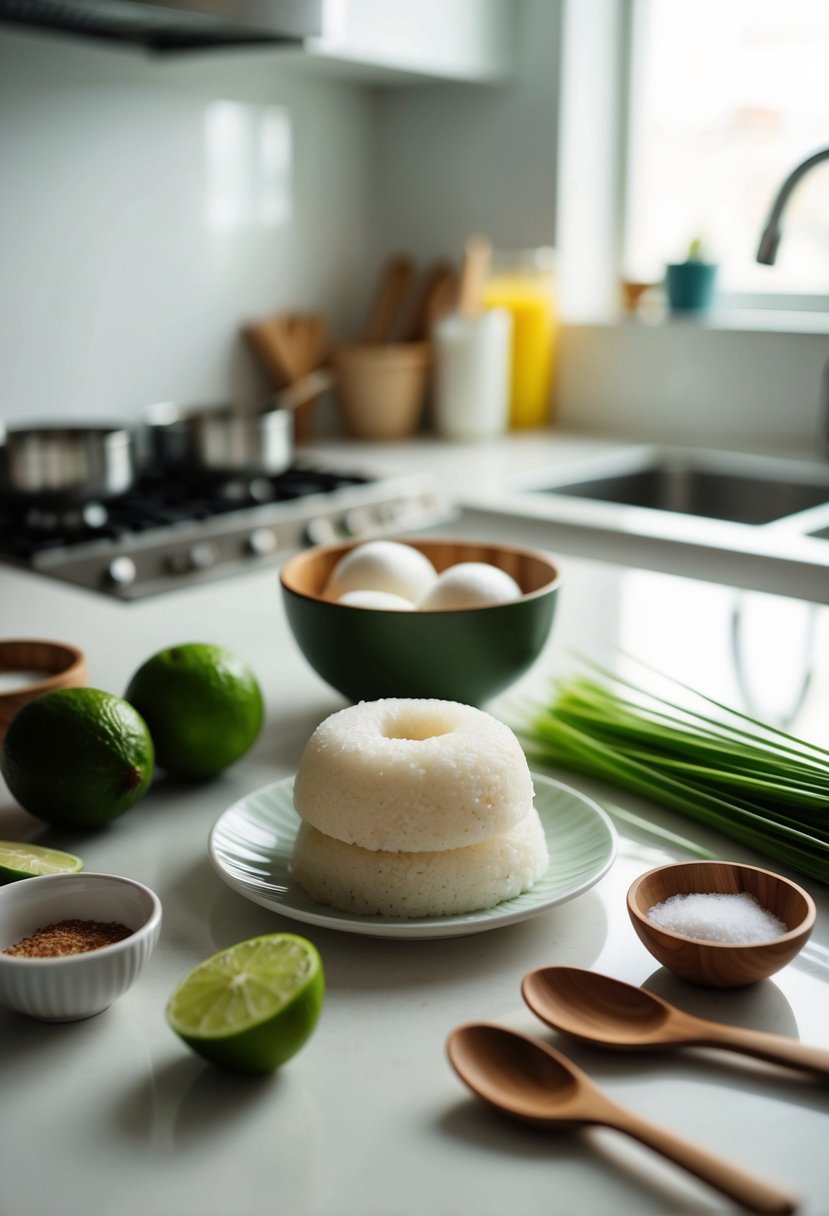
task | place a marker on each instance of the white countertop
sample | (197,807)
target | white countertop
(114,1114)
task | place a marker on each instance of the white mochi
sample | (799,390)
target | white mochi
(382,565)
(470,585)
(376,599)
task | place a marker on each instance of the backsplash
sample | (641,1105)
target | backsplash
(152,205)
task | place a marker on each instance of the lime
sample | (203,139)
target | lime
(202,704)
(77,757)
(251,1007)
(31,860)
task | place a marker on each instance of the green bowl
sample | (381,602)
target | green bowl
(467,654)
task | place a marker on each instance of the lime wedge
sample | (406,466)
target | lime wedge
(251,1007)
(31,860)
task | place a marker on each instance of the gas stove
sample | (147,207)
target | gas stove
(166,533)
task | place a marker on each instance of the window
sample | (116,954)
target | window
(725,100)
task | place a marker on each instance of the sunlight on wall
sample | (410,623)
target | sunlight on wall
(248,164)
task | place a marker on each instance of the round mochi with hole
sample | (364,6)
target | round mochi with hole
(382,565)
(412,775)
(447,882)
(470,585)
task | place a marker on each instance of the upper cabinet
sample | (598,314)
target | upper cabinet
(374,41)
(403,41)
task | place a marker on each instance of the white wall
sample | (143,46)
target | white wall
(115,291)
(453,160)
(700,383)
(116,288)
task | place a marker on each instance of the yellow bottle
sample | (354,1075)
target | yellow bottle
(523,283)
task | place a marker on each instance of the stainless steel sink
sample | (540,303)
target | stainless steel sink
(687,486)
(751,521)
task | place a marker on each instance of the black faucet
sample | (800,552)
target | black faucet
(770,239)
(767,252)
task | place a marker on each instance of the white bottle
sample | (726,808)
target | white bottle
(472,374)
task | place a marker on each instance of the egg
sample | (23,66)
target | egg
(382,565)
(470,585)
(376,599)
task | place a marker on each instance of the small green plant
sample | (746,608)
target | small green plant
(696,251)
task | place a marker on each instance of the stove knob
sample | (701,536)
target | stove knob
(320,531)
(358,521)
(177,563)
(198,557)
(202,556)
(120,572)
(261,542)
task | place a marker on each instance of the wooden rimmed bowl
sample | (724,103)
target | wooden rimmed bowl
(467,655)
(58,664)
(721,964)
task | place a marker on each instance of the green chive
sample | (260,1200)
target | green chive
(754,783)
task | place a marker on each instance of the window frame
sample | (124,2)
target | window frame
(622,18)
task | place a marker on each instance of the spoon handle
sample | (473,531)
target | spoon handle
(771,1047)
(750,1192)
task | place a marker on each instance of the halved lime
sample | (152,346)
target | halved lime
(251,1007)
(31,860)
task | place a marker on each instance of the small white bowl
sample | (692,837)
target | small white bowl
(74,986)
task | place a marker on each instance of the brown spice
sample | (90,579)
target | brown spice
(69,937)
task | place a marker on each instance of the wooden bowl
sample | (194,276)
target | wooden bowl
(721,964)
(63,666)
(467,655)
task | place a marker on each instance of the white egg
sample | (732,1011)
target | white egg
(382,565)
(470,585)
(376,599)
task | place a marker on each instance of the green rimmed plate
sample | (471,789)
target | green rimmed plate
(251,846)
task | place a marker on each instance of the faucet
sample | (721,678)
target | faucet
(770,239)
(767,252)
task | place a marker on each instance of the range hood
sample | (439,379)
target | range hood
(171,25)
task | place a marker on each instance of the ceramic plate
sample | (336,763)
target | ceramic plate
(252,842)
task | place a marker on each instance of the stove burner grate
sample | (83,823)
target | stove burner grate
(154,503)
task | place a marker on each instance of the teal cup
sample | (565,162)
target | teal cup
(465,654)
(691,286)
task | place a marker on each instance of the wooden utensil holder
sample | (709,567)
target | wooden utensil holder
(381,389)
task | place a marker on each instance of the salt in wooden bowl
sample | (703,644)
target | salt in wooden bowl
(721,964)
(55,664)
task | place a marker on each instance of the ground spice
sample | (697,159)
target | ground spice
(69,937)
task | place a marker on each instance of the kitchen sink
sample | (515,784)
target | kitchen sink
(753,521)
(682,486)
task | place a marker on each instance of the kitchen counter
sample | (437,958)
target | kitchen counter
(114,1114)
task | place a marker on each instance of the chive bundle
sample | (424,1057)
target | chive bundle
(750,781)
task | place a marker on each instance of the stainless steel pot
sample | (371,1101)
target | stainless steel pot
(76,462)
(219,441)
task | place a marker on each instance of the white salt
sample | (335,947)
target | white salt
(718,918)
(10,681)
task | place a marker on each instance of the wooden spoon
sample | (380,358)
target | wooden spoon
(477,255)
(436,296)
(530,1081)
(598,1009)
(396,281)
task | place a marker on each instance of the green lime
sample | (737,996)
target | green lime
(202,704)
(31,860)
(77,757)
(251,1007)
